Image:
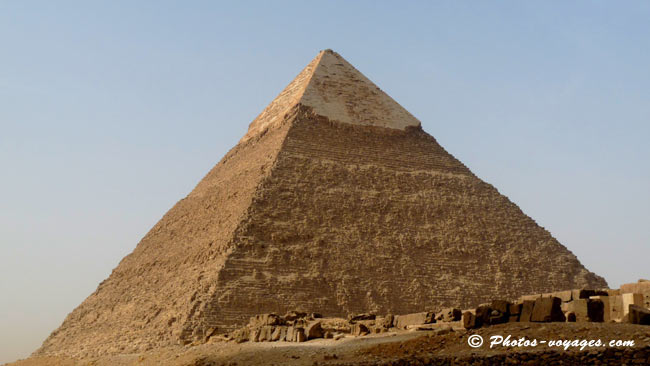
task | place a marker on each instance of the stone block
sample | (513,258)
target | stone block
(483,314)
(565,296)
(275,336)
(255,335)
(513,318)
(565,307)
(290,334)
(529,297)
(265,333)
(586,310)
(241,335)
(547,309)
(526,310)
(570,317)
(638,315)
(613,292)
(449,315)
(402,321)
(637,288)
(500,312)
(294,315)
(616,308)
(515,309)
(299,334)
(469,320)
(387,321)
(582,294)
(607,310)
(502,306)
(314,330)
(265,319)
(630,299)
(579,310)
(358,317)
(360,329)
(498,318)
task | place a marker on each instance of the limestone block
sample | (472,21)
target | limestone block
(631,299)
(449,315)
(265,319)
(515,309)
(388,321)
(293,315)
(241,335)
(529,297)
(616,308)
(402,321)
(299,334)
(275,336)
(586,310)
(547,309)
(469,320)
(578,311)
(483,314)
(358,317)
(582,294)
(607,310)
(360,329)
(526,310)
(565,307)
(500,312)
(265,334)
(638,288)
(314,330)
(565,296)
(638,315)
(502,306)
(613,292)
(255,335)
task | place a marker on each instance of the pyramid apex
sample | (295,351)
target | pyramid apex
(335,89)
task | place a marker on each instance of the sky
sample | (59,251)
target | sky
(111,111)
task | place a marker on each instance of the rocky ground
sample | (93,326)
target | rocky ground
(401,348)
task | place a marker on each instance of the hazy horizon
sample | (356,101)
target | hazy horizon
(111,112)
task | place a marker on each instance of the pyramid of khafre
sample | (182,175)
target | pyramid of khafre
(335,201)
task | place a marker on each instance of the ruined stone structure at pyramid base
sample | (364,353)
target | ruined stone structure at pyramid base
(314,211)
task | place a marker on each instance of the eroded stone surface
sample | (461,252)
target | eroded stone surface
(310,212)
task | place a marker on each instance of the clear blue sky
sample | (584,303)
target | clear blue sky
(112,111)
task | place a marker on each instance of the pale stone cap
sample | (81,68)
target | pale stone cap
(333,88)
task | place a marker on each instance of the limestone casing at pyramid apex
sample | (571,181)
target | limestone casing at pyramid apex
(335,89)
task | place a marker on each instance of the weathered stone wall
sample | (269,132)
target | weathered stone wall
(355,219)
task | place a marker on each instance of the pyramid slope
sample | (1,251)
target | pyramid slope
(151,297)
(356,219)
(321,208)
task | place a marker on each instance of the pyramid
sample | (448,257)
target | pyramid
(335,201)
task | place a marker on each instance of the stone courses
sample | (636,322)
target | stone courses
(309,212)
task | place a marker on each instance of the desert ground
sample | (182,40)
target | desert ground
(398,348)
